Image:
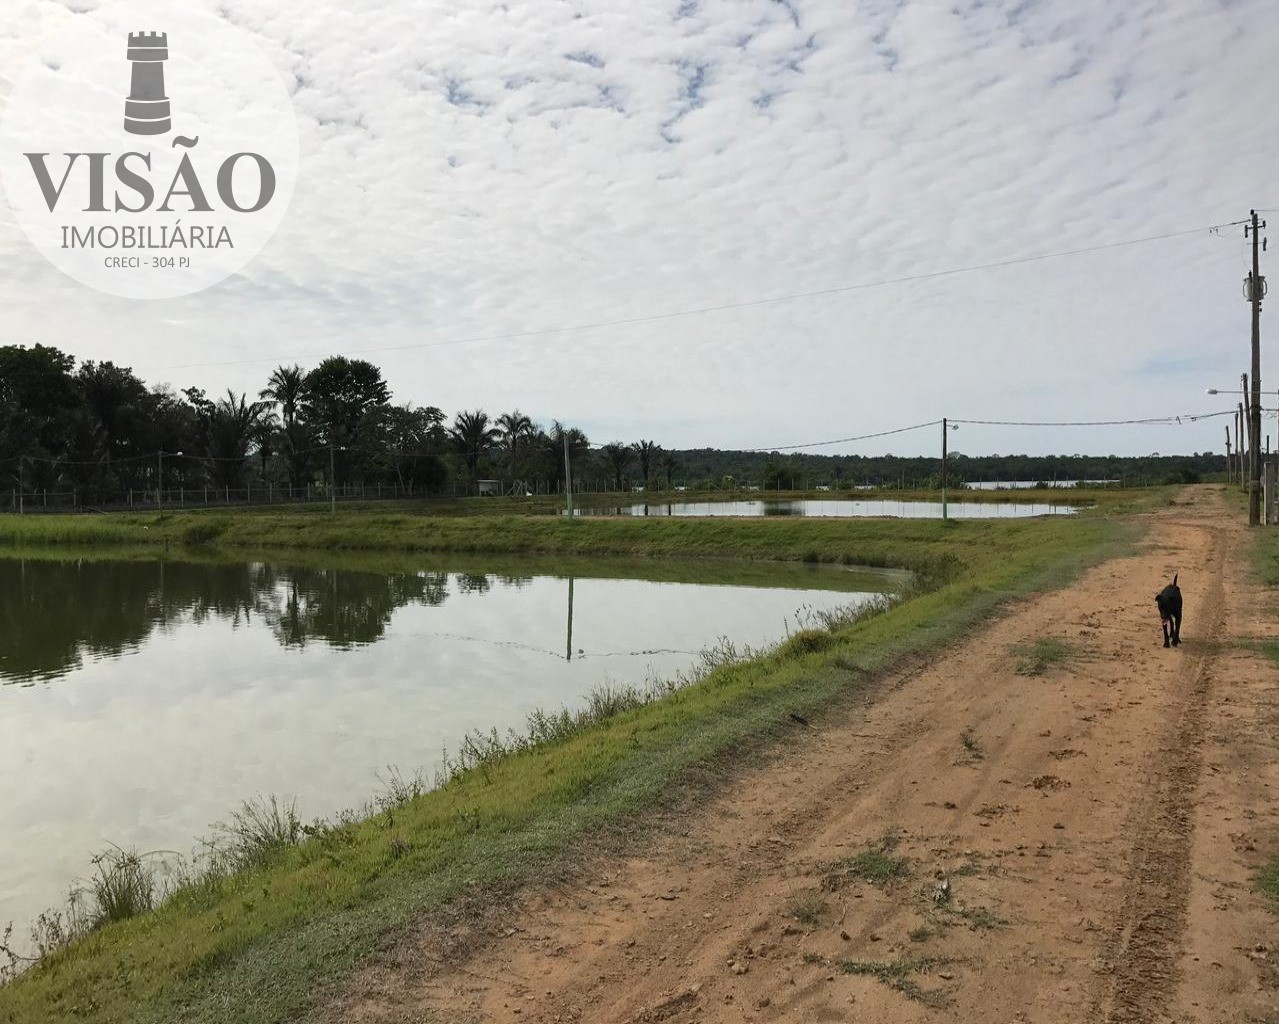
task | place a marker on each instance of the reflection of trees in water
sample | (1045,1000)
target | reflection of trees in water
(346,608)
(471,583)
(53,614)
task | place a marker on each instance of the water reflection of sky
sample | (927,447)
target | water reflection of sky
(142,721)
(835,508)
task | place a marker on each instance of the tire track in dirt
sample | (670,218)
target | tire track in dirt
(1148,936)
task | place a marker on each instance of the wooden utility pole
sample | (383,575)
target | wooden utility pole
(1239,445)
(943,469)
(1230,466)
(1255,291)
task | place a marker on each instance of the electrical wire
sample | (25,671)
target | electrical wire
(845,440)
(1154,421)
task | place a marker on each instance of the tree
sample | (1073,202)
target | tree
(646,453)
(286,387)
(338,393)
(264,434)
(38,394)
(409,441)
(227,427)
(617,457)
(473,437)
(668,463)
(514,430)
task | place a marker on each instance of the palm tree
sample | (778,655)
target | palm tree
(668,464)
(473,437)
(646,452)
(229,425)
(264,434)
(286,387)
(550,446)
(618,457)
(513,430)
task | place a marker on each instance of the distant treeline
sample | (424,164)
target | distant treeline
(797,471)
(99,432)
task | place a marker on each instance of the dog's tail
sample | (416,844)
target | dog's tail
(1174,579)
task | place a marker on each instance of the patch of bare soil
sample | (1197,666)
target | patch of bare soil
(974,845)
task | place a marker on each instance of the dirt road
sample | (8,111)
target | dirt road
(975,844)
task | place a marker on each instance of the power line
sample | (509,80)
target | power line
(724,307)
(1153,421)
(844,440)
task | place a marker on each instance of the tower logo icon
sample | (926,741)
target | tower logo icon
(146,111)
(188,193)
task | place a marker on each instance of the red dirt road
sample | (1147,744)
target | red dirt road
(1087,856)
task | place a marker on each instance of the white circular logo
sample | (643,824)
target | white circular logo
(149,150)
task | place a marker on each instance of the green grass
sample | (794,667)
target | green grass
(1034,659)
(1265,559)
(900,975)
(807,908)
(877,863)
(971,744)
(1268,882)
(276,941)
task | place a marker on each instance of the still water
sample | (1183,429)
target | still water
(1025,485)
(142,700)
(834,507)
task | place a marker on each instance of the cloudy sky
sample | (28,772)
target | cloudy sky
(476,175)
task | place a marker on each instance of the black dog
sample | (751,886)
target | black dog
(1169,603)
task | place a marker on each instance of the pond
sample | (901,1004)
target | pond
(140,701)
(1025,485)
(836,508)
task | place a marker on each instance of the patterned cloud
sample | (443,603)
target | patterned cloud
(472,170)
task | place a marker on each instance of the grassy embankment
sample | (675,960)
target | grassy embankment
(273,941)
(1265,559)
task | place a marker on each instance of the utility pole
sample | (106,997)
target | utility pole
(943,470)
(1230,466)
(1247,428)
(333,484)
(568,479)
(1239,445)
(20,506)
(1256,289)
(159,480)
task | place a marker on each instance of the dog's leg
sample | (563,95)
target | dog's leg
(1164,623)
(1176,631)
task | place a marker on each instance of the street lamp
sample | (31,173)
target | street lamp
(1241,421)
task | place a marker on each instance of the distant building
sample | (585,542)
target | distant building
(489,487)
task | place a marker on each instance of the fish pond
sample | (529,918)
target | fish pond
(143,700)
(833,507)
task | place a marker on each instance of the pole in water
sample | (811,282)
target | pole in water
(569,646)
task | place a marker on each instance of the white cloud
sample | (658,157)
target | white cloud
(473,168)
